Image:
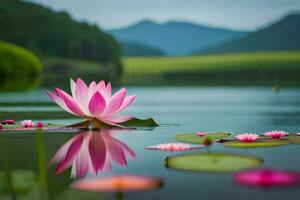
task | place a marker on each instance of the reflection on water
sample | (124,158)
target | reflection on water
(93,152)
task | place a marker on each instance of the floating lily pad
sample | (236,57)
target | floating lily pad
(257,144)
(293,139)
(135,122)
(194,138)
(213,162)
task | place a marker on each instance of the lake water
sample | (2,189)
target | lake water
(179,110)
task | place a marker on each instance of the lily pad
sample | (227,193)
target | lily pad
(135,122)
(257,144)
(212,162)
(293,139)
(195,139)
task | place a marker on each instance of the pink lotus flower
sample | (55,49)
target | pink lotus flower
(276,134)
(91,151)
(298,134)
(201,134)
(172,147)
(27,123)
(40,125)
(93,101)
(122,183)
(8,122)
(247,137)
(267,178)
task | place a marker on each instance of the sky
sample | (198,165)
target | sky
(248,15)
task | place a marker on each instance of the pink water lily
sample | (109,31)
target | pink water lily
(92,151)
(247,137)
(39,125)
(172,147)
(8,122)
(27,123)
(201,134)
(94,101)
(267,178)
(276,134)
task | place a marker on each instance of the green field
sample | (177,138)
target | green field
(263,68)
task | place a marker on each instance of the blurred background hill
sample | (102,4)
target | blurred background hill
(175,38)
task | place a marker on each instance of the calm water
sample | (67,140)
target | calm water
(180,110)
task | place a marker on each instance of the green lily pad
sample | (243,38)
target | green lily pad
(257,144)
(293,139)
(135,122)
(195,139)
(213,162)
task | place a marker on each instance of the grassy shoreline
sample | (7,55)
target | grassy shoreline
(261,68)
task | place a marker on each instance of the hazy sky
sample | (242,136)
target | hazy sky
(234,14)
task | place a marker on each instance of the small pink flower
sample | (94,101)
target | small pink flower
(267,178)
(8,121)
(298,134)
(27,123)
(172,147)
(201,134)
(247,137)
(276,134)
(40,125)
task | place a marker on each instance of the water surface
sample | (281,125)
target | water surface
(178,109)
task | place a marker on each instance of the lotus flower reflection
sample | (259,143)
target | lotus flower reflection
(267,178)
(247,137)
(93,102)
(92,151)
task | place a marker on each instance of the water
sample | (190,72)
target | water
(180,110)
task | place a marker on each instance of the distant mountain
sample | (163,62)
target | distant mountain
(135,49)
(175,38)
(282,35)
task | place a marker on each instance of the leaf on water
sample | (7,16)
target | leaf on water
(212,162)
(293,139)
(195,139)
(135,122)
(257,144)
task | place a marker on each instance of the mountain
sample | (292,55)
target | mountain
(49,33)
(281,35)
(175,38)
(135,49)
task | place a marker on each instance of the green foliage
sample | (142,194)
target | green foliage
(57,71)
(19,68)
(49,33)
(263,68)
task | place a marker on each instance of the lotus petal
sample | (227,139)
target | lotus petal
(69,101)
(97,104)
(115,103)
(127,101)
